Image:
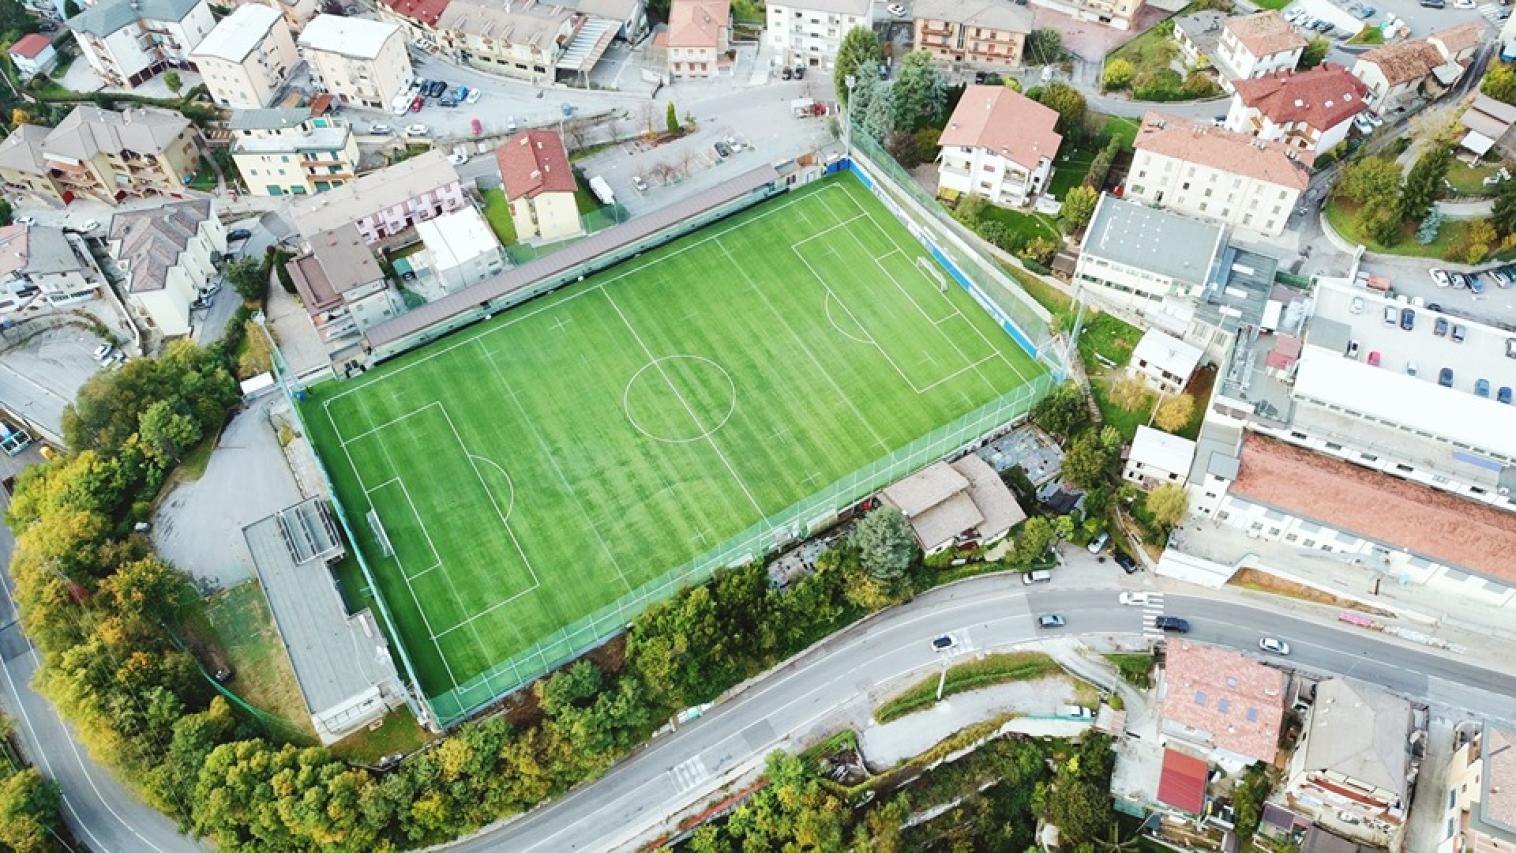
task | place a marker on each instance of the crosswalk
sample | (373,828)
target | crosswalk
(688,774)
(1150,613)
(1491,12)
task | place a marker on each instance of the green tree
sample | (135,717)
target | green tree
(1383,223)
(1063,412)
(885,543)
(1036,536)
(1503,209)
(1081,810)
(1430,227)
(1044,46)
(1067,102)
(858,46)
(166,433)
(70,8)
(1167,504)
(1248,797)
(1371,182)
(879,119)
(919,92)
(1118,74)
(1174,412)
(1079,205)
(29,817)
(1500,83)
(173,81)
(248,278)
(671,118)
(1087,461)
(1314,54)
(7,215)
(1424,183)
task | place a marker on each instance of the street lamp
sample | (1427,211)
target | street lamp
(847,140)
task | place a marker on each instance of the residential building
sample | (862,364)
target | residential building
(698,37)
(1217,174)
(357,60)
(1401,72)
(1311,110)
(807,32)
(540,186)
(1459,43)
(291,152)
(1481,815)
(102,154)
(998,144)
(167,256)
(1135,256)
(247,58)
(343,289)
(296,13)
(962,503)
(524,39)
(1257,45)
(972,33)
(1352,769)
(1488,123)
(1164,362)
(418,18)
(32,54)
(461,250)
(385,203)
(42,262)
(1157,458)
(1221,704)
(1117,14)
(127,42)
(1198,35)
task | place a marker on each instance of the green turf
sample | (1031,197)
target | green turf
(539,466)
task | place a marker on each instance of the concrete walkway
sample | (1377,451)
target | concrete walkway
(885,745)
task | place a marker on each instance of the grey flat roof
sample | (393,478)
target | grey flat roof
(1238,290)
(1168,244)
(597,244)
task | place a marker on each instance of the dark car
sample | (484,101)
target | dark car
(1445,377)
(787,73)
(1407,319)
(1434,4)
(238,234)
(799,72)
(943,642)
(1440,328)
(1172,623)
(1126,563)
(435,88)
(723,150)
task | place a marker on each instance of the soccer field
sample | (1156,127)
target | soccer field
(512,479)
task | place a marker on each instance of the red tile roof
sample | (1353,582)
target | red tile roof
(1218,148)
(29,45)
(534,162)
(698,23)
(1005,121)
(1404,61)
(1182,784)
(1265,33)
(1463,37)
(425,12)
(1235,701)
(1366,503)
(1321,98)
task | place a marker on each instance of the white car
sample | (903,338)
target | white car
(90,225)
(381,130)
(473,96)
(1135,598)
(418,130)
(1273,646)
(639,183)
(1463,4)
(457,159)
(1356,307)
(26,220)
(896,9)
(1440,276)
(1362,123)
(103,352)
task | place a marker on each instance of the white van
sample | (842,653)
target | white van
(1037,576)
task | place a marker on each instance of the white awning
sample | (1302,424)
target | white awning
(1477,142)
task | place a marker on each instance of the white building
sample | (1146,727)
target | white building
(1399,73)
(127,42)
(359,61)
(807,32)
(461,249)
(33,54)
(1164,362)
(43,262)
(1217,174)
(525,39)
(291,152)
(1257,45)
(1135,256)
(998,144)
(1117,14)
(387,202)
(247,58)
(1157,458)
(1481,784)
(166,254)
(296,13)
(1311,109)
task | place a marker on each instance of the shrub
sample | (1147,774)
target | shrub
(1118,74)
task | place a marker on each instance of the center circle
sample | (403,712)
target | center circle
(678,399)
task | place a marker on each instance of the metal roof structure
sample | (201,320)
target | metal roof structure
(1134,235)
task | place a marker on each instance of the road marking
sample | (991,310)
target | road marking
(688,774)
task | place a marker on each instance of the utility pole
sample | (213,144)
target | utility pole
(847,133)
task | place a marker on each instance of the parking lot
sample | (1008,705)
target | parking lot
(1348,16)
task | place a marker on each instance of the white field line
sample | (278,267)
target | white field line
(843,305)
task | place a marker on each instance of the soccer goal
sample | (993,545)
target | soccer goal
(383,537)
(932,272)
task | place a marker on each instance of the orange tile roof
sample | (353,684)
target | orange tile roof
(423,11)
(1265,33)
(1404,61)
(1237,153)
(1005,121)
(1460,38)
(534,162)
(1234,699)
(698,23)
(1321,98)
(1366,503)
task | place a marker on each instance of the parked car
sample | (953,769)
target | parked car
(639,184)
(1356,306)
(723,150)
(943,643)
(1362,124)
(417,103)
(1440,328)
(1374,358)
(1050,620)
(799,72)
(436,88)
(457,159)
(1459,331)
(787,73)
(381,129)
(238,234)
(1037,576)
(418,130)
(1273,646)
(103,352)
(1433,4)
(1475,283)
(1410,368)
(1134,598)
(1463,4)
(1407,319)
(1445,377)
(1438,275)
(475,125)
(1391,316)
(1125,561)
(1482,388)
(26,220)
(1098,542)
(473,96)
(1352,349)
(1457,279)
(89,225)
(1374,118)
(1503,395)
(1172,624)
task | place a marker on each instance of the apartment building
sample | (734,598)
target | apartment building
(292,152)
(127,42)
(1481,792)
(524,39)
(32,54)
(1217,174)
(974,33)
(698,37)
(1157,458)
(1117,14)
(1311,110)
(1257,45)
(343,289)
(1219,705)
(461,250)
(808,32)
(356,60)
(101,154)
(47,263)
(1164,362)
(1399,73)
(385,203)
(998,144)
(1136,257)
(166,254)
(539,184)
(247,58)
(296,13)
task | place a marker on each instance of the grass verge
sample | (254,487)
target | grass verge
(991,669)
(1260,581)
(497,212)
(1344,217)
(398,733)
(1135,669)
(239,618)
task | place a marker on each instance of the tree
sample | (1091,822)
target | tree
(1383,222)
(1430,227)
(166,433)
(1503,210)
(1118,74)
(886,546)
(70,8)
(1475,244)
(1044,46)
(1174,412)
(1424,183)
(1314,54)
(1248,797)
(29,818)
(7,215)
(1500,83)
(1130,392)
(919,92)
(879,119)
(1038,250)
(1370,182)
(248,278)
(671,118)
(173,82)
(858,46)
(1067,102)
(1037,535)
(1079,205)
(1167,504)
(1063,412)
(1087,461)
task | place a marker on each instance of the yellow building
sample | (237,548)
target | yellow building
(539,185)
(101,154)
(291,152)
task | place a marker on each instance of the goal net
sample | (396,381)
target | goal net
(383,537)
(932,272)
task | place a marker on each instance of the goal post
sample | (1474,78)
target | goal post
(380,534)
(932,272)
